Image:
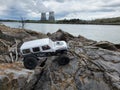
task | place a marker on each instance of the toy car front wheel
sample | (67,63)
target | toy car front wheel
(30,62)
(63,60)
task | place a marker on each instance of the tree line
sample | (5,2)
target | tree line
(103,21)
(109,21)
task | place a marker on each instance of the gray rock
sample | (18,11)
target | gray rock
(3,82)
(14,78)
(90,68)
(61,35)
(106,45)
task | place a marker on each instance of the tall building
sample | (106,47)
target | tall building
(51,16)
(43,16)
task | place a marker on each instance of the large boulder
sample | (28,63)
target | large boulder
(117,46)
(106,45)
(61,35)
(21,34)
(14,76)
(90,68)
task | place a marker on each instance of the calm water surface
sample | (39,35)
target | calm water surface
(95,32)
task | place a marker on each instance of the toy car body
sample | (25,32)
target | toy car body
(43,47)
(31,50)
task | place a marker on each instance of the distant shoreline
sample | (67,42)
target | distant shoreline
(104,21)
(66,23)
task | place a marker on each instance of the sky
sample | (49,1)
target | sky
(64,9)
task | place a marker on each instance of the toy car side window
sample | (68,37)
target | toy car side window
(36,49)
(26,51)
(45,47)
(59,43)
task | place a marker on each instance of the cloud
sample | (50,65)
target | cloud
(113,4)
(83,9)
(29,9)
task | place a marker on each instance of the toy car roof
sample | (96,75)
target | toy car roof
(35,43)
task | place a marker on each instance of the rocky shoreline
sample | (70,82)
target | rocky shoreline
(93,65)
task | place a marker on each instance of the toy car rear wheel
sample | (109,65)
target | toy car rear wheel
(30,62)
(63,60)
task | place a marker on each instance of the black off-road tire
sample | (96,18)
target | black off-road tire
(63,60)
(30,62)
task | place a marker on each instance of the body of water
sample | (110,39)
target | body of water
(95,32)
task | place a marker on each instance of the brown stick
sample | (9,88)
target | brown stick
(3,43)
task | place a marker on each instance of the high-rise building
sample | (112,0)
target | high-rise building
(43,16)
(51,16)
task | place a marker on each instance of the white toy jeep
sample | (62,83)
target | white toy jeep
(31,50)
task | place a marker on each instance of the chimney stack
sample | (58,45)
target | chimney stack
(51,16)
(43,16)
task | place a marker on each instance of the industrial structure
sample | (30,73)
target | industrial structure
(50,18)
(43,17)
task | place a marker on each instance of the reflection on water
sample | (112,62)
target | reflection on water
(95,32)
